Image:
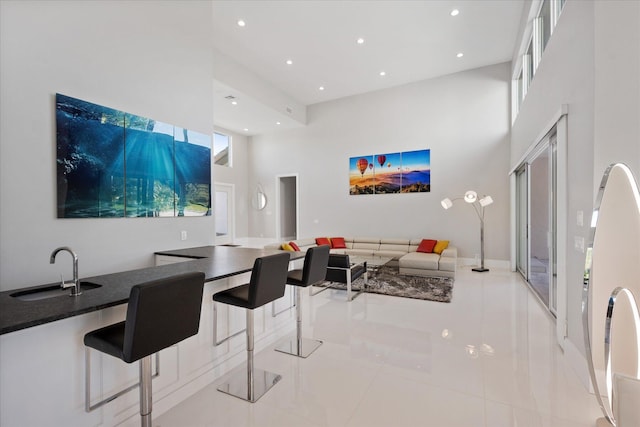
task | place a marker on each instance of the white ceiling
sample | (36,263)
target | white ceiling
(409,40)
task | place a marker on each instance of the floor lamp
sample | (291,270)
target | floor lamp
(471,197)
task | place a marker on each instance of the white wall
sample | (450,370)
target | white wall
(592,64)
(149,58)
(617,86)
(565,76)
(463,118)
(237,175)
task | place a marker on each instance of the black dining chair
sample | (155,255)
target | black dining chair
(312,272)
(267,284)
(160,313)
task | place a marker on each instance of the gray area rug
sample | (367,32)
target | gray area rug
(387,281)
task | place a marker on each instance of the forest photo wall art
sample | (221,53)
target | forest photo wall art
(115,164)
(405,172)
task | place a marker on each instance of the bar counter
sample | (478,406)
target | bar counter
(216,262)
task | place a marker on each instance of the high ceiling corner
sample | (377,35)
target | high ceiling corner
(320,50)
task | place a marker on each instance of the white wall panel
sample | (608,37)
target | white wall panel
(148,58)
(462,118)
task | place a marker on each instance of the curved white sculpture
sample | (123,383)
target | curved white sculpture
(611,295)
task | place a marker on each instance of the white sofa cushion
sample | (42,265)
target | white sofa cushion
(396,255)
(375,240)
(419,260)
(367,252)
(394,247)
(404,242)
(450,252)
(369,246)
(447,264)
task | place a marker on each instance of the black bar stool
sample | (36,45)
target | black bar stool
(313,271)
(160,313)
(267,284)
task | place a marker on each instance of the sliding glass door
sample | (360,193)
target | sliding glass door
(536,223)
(539,209)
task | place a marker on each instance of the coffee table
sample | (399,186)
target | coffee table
(371,262)
(374,262)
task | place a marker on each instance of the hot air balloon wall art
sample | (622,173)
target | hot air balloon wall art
(390,173)
(115,164)
(388,179)
(416,171)
(361,175)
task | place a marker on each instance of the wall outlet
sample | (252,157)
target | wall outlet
(183,235)
(579,243)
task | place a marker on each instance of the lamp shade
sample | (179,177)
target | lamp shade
(485,201)
(470,196)
(446,203)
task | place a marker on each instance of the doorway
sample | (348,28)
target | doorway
(224,213)
(287,207)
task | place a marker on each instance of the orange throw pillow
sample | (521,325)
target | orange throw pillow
(440,246)
(323,241)
(294,246)
(338,243)
(427,246)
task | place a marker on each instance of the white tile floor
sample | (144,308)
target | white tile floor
(486,359)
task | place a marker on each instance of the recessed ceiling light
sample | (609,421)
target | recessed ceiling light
(383,73)
(321,88)
(246,129)
(460,55)
(241,23)
(234,102)
(277,123)
(455,12)
(289,62)
(360,40)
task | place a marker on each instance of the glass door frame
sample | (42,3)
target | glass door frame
(522,176)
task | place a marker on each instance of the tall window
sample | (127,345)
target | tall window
(545,15)
(541,29)
(529,64)
(222,149)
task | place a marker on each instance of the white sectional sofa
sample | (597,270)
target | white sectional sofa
(403,253)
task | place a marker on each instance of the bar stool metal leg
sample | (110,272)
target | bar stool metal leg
(301,347)
(250,338)
(253,383)
(88,407)
(146,401)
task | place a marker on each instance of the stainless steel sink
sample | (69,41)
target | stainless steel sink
(50,292)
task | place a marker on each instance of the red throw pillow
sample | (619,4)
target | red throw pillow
(294,246)
(338,243)
(323,241)
(427,246)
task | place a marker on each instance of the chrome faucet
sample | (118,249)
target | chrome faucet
(75,284)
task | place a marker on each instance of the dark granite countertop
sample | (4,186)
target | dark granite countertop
(216,262)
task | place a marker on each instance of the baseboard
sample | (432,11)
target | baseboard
(489,263)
